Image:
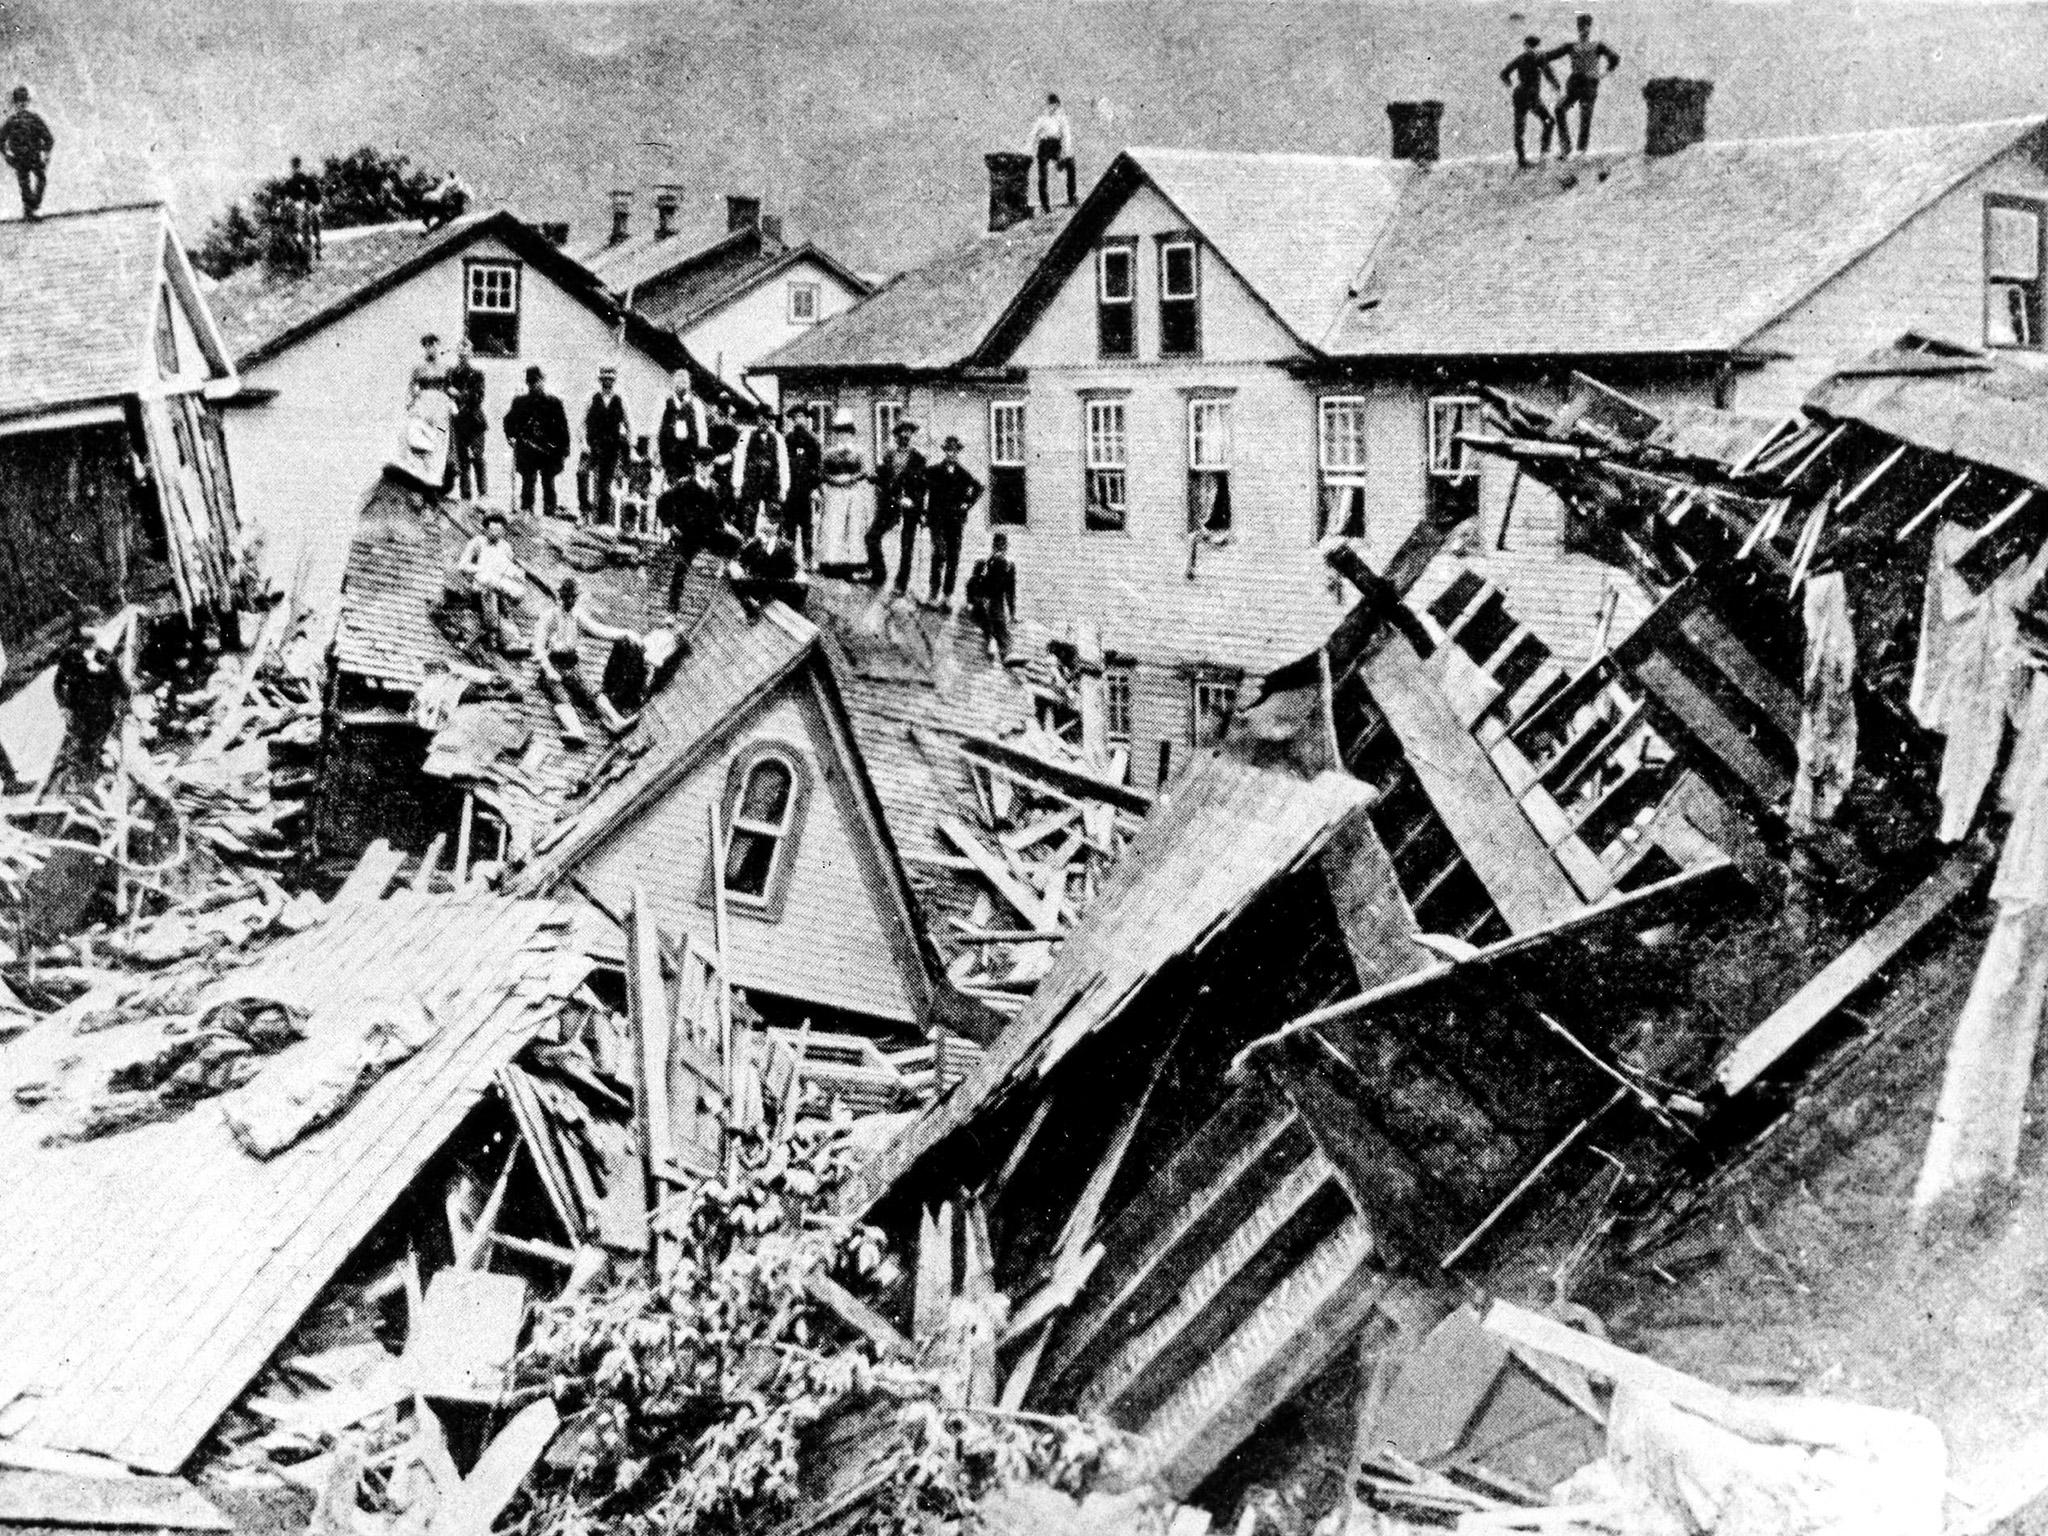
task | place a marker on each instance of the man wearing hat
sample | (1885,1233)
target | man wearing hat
(607,437)
(494,575)
(693,512)
(1524,75)
(950,494)
(25,144)
(429,372)
(806,475)
(899,499)
(683,429)
(538,429)
(468,427)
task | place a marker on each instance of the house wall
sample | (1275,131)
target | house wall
(1928,277)
(830,944)
(745,330)
(304,460)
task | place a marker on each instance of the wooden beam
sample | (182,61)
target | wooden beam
(858,1315)
(1863,486)
(1919,519)
(372,876)
(423,877)
(1028,902)
(647,1008)
(1812,458)
(1703,719)
(1056,779)
(1766,1045)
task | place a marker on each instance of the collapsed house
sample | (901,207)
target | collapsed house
(114,483)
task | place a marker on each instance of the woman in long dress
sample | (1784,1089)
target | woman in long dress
(846,500)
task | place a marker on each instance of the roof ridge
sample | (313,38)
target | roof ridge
(87,213)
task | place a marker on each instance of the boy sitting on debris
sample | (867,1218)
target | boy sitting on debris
(765,569)
(495,577)
(558,649)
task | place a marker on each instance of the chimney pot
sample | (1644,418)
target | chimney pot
(741,213)
(1677,114)
(1009,189)
(555,232)
(771,230)
(667,199)
(622,215)
(1417,129)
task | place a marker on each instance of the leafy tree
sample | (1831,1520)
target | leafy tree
(697,1399)
(366,186)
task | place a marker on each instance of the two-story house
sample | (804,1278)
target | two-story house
(1221,359)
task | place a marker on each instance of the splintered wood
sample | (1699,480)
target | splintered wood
(1051,823)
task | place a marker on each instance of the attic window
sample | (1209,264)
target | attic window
(1116,299)
(490,307)
(2014,309)
(1180,299)
(803,303)
(764,805)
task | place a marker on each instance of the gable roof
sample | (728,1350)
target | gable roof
(1625,253)
(266,311)
(78,304)
(676,285)
(932,318)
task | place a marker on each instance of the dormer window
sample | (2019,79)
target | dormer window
(766,790)
(1180,298)
(1116,299)
(2014,309)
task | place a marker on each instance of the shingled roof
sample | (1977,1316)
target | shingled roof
(77,304)
(676,285)
(931,318)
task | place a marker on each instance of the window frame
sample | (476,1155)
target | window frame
(2035,287)
(815,292)
(1008,478)
(1119,686)
(1091,466)
(1219,407)
(1191,300)
(1349,480)
(768,905)
(1106,305)
(473,268)
(1207,684)
(1445,460)
(894,409)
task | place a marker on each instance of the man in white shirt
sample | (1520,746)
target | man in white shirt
(496,578)
(1052,142)
(557,649)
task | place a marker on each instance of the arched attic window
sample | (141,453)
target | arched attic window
(765,794)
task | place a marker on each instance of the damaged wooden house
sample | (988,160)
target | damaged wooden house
(114,480)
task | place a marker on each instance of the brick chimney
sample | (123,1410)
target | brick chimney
(1678,114)
(1416,129)
(555,232)
(741,213)
(771,231)
(1009,189)
(668,197)
(622,216)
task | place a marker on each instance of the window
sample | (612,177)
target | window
(1209,716)
(1107,489)
(1116,299)
(803,303)
(2013,287)
(490,307)
(1208,466)
(1450,415)
(1340,455)
(1116,705)
(887,414)
(1006,463)
(764,806)
(1180,299)
(166,339)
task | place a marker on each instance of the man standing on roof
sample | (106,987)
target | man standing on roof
(683,430)
(538,428)
(429,372)
(900,483)
(558,652)
(26,144)
(1052,143)
(761,471)
(694,514)
(303,197)
(806,475)
(1590,62)
(951,494)
(723,436)
(1525,73)
(468,427)
(992,596)
(608,437)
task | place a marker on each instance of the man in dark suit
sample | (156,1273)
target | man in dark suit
(992,596)
(25,144)
(608,437)
(950,495)
(693,512)
(467,425)
(899,500)
(806,456)
(683,430)
(538,429)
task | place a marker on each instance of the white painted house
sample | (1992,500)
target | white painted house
(733,301)
(325,357)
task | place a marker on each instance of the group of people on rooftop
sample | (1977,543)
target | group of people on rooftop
(1529,71)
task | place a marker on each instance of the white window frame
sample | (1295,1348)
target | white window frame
(887,414)
(811,291)
(1107,452)
(1201,693)
(2002,280)
(1118,683)
(1326,408)
(1202,442)
(998,456)
(780,834)
(1129,253)
(1194,250)
(1447,458)
(482,298)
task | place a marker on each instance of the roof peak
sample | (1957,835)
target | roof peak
(72,214)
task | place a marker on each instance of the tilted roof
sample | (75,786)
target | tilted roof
(932,317)
(77,304)
(1621,253)
(1981,407)
(147,1276)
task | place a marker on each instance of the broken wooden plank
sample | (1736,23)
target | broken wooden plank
(461,1343)
(1703,720)
(372,876)
(858,1315)
(1057,780)
(1027,902)
(498,1474)
(932,1298)
(423,877)
(653,1028)
(1440,1388)
(1766,1045)
(106,1503)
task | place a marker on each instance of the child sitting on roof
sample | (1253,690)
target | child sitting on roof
(491,572)
(765,569)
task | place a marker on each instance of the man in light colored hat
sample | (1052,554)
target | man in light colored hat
(26,144)
(608,438)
